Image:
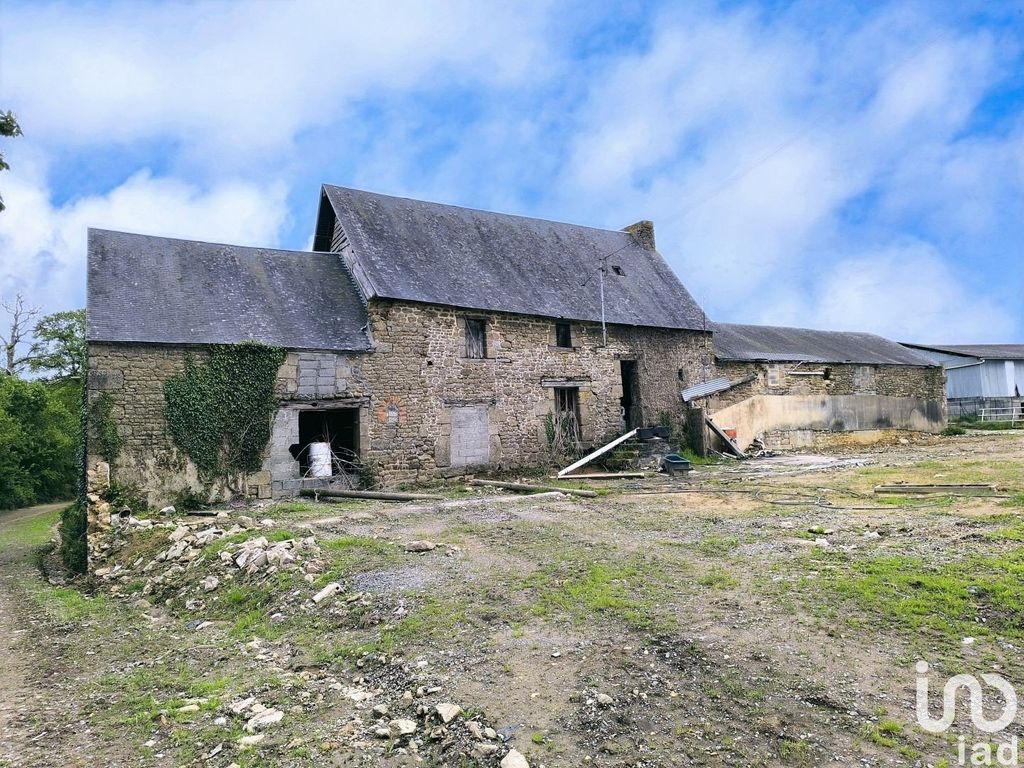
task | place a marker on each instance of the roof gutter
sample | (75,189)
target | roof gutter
(979,361)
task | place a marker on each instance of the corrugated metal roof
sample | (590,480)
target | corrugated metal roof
(414,250)
(772,343)
(985,351)
(162,290)
(705,389)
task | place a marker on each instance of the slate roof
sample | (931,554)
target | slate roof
(162,290)
(984,351)
(780,344)
(418,251)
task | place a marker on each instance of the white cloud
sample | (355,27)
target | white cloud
(43,247)
(776,153)
(228,79)
(766,153)
(906,292)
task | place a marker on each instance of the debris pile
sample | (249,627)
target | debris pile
(187,567)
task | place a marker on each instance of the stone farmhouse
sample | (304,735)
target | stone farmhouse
(800,388)
(422,340)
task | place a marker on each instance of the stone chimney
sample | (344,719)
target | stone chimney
(643,233)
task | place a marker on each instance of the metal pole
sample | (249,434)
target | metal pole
(604,329)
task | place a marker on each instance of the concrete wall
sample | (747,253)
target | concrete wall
(773,417)
(425,409)
(788,409)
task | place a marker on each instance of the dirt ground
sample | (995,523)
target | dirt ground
(759,613)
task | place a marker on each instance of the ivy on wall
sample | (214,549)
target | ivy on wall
(219,411)
(104,426)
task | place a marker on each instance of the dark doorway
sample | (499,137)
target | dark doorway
(567,420)
(337,426)
(630,401)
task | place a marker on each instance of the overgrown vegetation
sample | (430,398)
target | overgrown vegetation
(971,421)
(104,427)
(73,544)
(39,439)
(219,411)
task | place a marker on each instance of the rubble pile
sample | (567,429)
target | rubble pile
(187,569)
(393,706)
(399,711)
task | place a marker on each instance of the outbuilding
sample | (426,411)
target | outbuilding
(799,387)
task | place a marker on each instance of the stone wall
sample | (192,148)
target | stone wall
(843,379)
(430,388)
(424,408)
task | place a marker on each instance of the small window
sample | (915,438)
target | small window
(618,270)
(563,335)
(827,374)
(476,338)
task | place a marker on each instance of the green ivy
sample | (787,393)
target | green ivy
(219,411)
(74,550)
(74,519)
(105,427)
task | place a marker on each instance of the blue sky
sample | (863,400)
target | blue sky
(813,164)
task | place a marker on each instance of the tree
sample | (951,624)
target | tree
(21,317)
(59,345)
(8,127)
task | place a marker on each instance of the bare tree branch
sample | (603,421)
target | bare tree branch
(19,327)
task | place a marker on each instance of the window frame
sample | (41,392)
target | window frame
(565,327)
(471,346)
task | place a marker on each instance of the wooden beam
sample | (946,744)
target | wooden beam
(524,488)
(600,476)
(599,452)
(733,448)
(954,489)
(378,495)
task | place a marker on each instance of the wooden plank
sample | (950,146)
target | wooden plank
(733,448)
(378,495)
(955,489)
(599,452)
(523,487)
(600,476)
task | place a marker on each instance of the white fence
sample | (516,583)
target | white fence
(1012,415)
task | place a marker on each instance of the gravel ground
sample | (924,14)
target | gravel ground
(767,612)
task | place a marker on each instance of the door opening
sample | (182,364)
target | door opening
(337,426)
(630,401)
(568,436)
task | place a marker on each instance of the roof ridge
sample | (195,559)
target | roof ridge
(103,230)
(801,328)
(478,210)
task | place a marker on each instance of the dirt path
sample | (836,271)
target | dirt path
(17,696)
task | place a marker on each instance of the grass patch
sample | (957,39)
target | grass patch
(351,554)
(30,531)
(65,604)
(714,546)
(1015,501)
(698,460)
(717,578)
(583,590)
(973,595)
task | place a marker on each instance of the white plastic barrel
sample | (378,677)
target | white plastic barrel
(320,460)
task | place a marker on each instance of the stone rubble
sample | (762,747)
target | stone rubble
(405,712)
